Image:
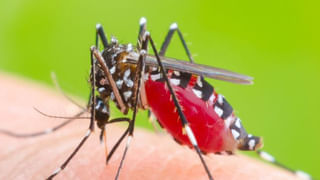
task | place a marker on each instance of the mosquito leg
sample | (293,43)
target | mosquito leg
(100,33)
(114,148)
(142,30)
(103,134)
(92,119)
(174,28)
(268,157)
(140,70)
(183,119)
(112,83)
(55,128)
(57,171)
(47,131)
(102,119)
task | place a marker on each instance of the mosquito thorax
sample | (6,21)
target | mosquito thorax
(123,73)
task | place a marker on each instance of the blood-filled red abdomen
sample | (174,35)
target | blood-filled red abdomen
(209,129)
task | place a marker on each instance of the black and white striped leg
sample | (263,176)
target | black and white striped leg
(55,128)
(140,70)
(91,125)
(142,30)
(183,119)
(110,79)
(100,33)
(57,171)
(174,28)
(269,158)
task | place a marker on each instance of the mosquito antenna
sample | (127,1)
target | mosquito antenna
(58,87)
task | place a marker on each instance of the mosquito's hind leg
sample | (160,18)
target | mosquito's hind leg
(47,131)
(174,28)
(142,30)
(102,114)
(100,33)
(182,118)
(269,158)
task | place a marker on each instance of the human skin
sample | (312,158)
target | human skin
(151,156)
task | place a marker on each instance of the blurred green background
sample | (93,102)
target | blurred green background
(276,42)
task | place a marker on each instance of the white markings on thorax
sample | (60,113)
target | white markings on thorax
(129,47)
(127,73)
(126,78)
(112,96)
(119,83)
(127,95)
(113,69)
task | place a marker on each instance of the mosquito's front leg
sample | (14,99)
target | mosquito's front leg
(112,83)
(92,119)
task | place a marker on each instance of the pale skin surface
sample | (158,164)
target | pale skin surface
(150,156)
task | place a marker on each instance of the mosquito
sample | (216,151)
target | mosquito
(175,92)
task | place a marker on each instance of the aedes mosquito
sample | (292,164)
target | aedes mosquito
(175,91)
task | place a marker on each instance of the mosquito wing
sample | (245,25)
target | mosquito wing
(198,69)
